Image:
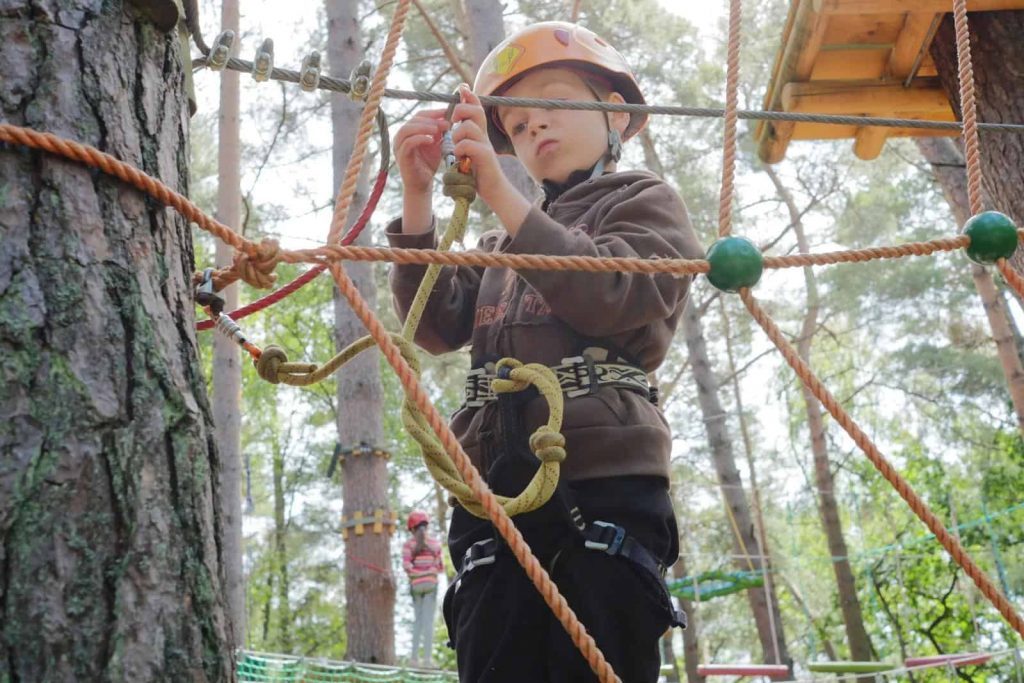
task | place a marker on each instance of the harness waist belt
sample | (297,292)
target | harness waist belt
(578,376)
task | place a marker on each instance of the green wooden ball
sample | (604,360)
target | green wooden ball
(735,262)
(993,236)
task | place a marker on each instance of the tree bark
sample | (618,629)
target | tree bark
(485,27)
(744,541)
(861,648)
(110,567)
(227,368)
(947,164)
(369,582)
(997,54)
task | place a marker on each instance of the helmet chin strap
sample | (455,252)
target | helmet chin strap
(614,151)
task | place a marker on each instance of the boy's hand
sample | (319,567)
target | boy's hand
(470,138)
(417,146)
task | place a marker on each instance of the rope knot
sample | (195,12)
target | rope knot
(504,383)
(270,362)
(258,270)
(459,185)
(547,444)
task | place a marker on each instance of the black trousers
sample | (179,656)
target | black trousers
(500,626)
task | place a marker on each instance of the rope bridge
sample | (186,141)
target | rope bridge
(733,264)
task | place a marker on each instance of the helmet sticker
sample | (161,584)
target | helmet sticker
(507,58)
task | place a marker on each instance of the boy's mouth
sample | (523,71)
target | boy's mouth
(545,146)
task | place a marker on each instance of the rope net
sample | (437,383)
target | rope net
(255,263)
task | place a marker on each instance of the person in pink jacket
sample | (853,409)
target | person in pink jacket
(422,561)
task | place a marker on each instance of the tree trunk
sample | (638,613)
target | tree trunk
(997,54)
(485,27)
(110,568)
(369,583)
(691,646)
(948,167)
(744,541)
(227,368)
(280,553)
(861,648)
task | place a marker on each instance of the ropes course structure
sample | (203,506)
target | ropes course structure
(733,264)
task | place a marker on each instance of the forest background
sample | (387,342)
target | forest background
(905,345)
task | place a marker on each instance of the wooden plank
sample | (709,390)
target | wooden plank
(849,65)
(869,141)
(809,55)
(912,44)
(923,98)
(871,29)
(861,7)
(828,131)
(801,23)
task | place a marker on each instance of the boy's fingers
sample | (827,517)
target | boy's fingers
(470,112)
(468,129)
(430,114)
(414,128)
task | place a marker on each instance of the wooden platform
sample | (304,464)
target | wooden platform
(858,58)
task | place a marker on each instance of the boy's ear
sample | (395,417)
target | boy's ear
(619,119)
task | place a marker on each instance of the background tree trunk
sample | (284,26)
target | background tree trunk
(691,644)
(997,54)
(485,27)
(861,648)
(110,568)
(948,166)
(369,583)
(281,582)
(745,546)
(227,368)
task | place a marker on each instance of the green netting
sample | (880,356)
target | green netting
(713,584)
(257,668)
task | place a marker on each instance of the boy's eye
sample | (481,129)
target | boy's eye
(518,128)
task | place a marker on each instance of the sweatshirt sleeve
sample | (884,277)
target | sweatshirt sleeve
(447,323)
(407,555)
(649,222)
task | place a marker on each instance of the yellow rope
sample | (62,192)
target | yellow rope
(547,443)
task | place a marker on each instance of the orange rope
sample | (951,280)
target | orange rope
(920,508)
(355,162)
(593,264)
(731,117)
(263,256)
(1012,276)
(495,512)
(870,254)
(968,106)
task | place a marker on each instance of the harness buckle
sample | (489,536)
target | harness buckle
(477,388)
(611,537)
(583,373)
(480,554)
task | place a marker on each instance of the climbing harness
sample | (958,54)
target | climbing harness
(576,376)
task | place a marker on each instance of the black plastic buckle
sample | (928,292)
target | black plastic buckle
(609,537)
(479,554)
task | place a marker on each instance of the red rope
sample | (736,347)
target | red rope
(310,275)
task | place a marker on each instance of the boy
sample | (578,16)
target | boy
(609,532)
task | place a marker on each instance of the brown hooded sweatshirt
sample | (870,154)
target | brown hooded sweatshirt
(546,316)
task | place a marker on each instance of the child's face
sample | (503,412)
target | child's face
(552,143)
